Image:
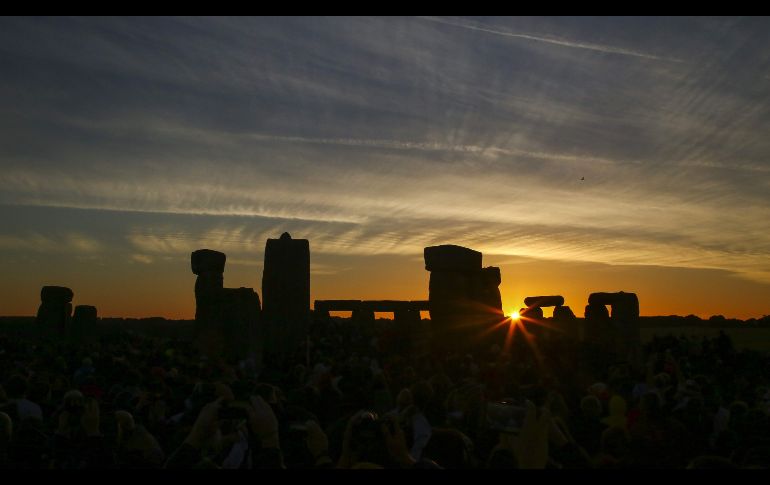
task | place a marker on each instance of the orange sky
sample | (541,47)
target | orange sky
(166,289)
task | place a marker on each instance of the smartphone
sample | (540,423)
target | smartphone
(506,416)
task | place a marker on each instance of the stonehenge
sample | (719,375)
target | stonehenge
(412,333)
(208,266)
(55,312)
(286,294)
(531,313)
(83,327)
(55,317)
(226,319)
(544,301)
(563,313)
(321,308)
(464,298)
(617,329)
(563,319)
(364,310)
(532,318)
(451,258)
(240,317)
(464,302)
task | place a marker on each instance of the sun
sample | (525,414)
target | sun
(514,315)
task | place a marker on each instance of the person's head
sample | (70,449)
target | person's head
(404,399)
(365,465)
(449,448)
(661,380)
(367,443)
(694,406)
(125,425)
(6,428)
(557,405)
(39,390)
(16,387)
(755,457)
(591,407)
(409,375)
(599,389)
(711,463)
(422,393)
(617,406)
(614,441)
(440,383)
(650,404)
(738,411)
(73,401)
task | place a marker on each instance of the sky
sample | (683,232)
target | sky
(578,154)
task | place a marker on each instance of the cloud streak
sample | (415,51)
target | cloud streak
(175,134)
(550,40)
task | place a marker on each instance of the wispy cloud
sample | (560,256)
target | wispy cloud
(51,243)
(176,134)
(550,40)
(142,258)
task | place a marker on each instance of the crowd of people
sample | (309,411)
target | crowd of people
(346,401)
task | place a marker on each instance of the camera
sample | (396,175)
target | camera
(506,415)
(369,427)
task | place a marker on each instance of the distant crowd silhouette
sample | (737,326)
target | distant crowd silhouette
(282,387)
(131,401)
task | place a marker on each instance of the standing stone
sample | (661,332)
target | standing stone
(618,331)
(563,313)
(625,320)
(54,313)
(406,323)
(321,315)
(566,322)
(485,291)
(534,311)
(83,328)
(597,327)
(464,299)
(362,316)
(240,323)
(286,293)
(227,320)
(209,266)
(420,336)
(532,318)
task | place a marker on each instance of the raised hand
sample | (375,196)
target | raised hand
(316,441)
(206,430)
(346,456)
(90,418)
(531,447)
(396,443)
(263,423)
